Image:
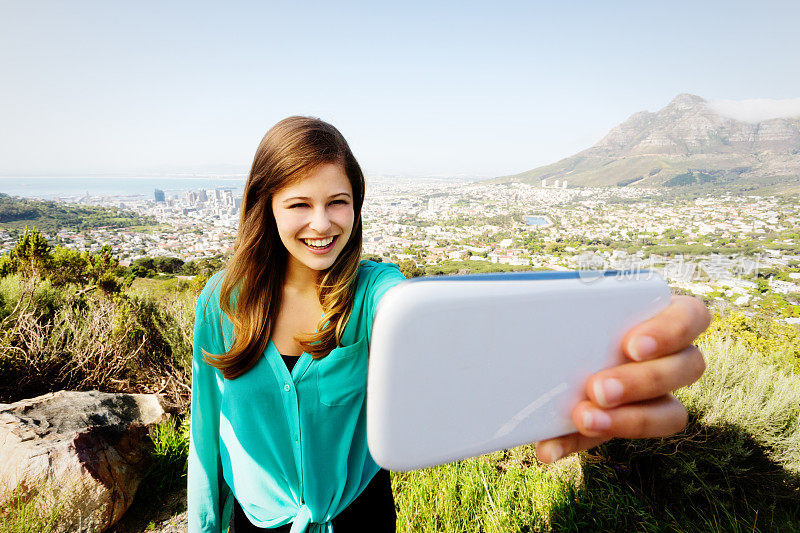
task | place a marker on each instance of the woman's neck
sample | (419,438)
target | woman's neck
(300,278)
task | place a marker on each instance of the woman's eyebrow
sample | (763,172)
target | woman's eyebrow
(307,198)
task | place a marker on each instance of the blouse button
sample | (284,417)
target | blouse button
(287,388)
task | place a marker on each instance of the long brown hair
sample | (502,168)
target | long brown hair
(254,275)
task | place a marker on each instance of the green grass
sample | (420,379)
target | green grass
(170,453)
(734,468)
(490,493)
(36,511)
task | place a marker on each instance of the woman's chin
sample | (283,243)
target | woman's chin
(317,262)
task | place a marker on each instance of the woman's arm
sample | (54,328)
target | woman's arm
(634,400)
(207,490)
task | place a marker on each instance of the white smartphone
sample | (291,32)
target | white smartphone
(460,366)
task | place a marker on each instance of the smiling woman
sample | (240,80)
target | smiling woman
(304,184)
(278,434)
(280,442)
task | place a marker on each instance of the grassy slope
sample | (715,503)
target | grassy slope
(734,468)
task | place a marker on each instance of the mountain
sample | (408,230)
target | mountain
(687,143)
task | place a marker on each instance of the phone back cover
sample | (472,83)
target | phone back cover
(465,365)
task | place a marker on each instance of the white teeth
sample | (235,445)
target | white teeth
(319,243)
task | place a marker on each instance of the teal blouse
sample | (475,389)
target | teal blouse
(291,447)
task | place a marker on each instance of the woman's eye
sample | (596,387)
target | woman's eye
(306,205)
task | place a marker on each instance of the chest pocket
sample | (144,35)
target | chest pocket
(342,374)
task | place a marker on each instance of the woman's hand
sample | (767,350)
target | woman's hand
(634,400)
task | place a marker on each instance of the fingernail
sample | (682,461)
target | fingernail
(556,452)
(608,391)
(641,347)
(596,419)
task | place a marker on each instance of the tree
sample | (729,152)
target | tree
(762,285)
(372,257)
(169,265)
(409,269)
(69,266)
(555,247)
(109,284)
(101,264)
(189,268)
(31,255)
(145,263)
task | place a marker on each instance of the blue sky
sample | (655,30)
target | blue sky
(418,88)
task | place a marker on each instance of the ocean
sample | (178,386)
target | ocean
(50,188)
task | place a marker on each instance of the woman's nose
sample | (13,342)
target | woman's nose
(320,222)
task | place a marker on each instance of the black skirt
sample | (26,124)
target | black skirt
(373,510)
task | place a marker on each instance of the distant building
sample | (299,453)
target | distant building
(556,184)
(564,184)
(544,182)
(159,194)
(227,197)
(431,206)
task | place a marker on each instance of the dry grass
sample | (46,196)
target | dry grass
(53,339)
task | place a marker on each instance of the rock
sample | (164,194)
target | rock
(90,448)
(168,515)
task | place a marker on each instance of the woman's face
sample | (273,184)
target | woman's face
(315,217)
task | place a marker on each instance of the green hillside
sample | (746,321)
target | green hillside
(16,213)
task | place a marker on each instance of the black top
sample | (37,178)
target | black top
(290,360)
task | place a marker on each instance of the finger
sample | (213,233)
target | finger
(652,418)
(550,451)
(671,330)
(634,382)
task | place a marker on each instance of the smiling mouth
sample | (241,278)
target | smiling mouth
(320,244)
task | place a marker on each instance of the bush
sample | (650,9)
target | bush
(775,343)
(170,454)
(69,266)
(51,339)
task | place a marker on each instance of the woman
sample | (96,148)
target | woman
(278,433)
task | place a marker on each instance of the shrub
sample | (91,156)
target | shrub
(170,454)
(53,340)
(773,342)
